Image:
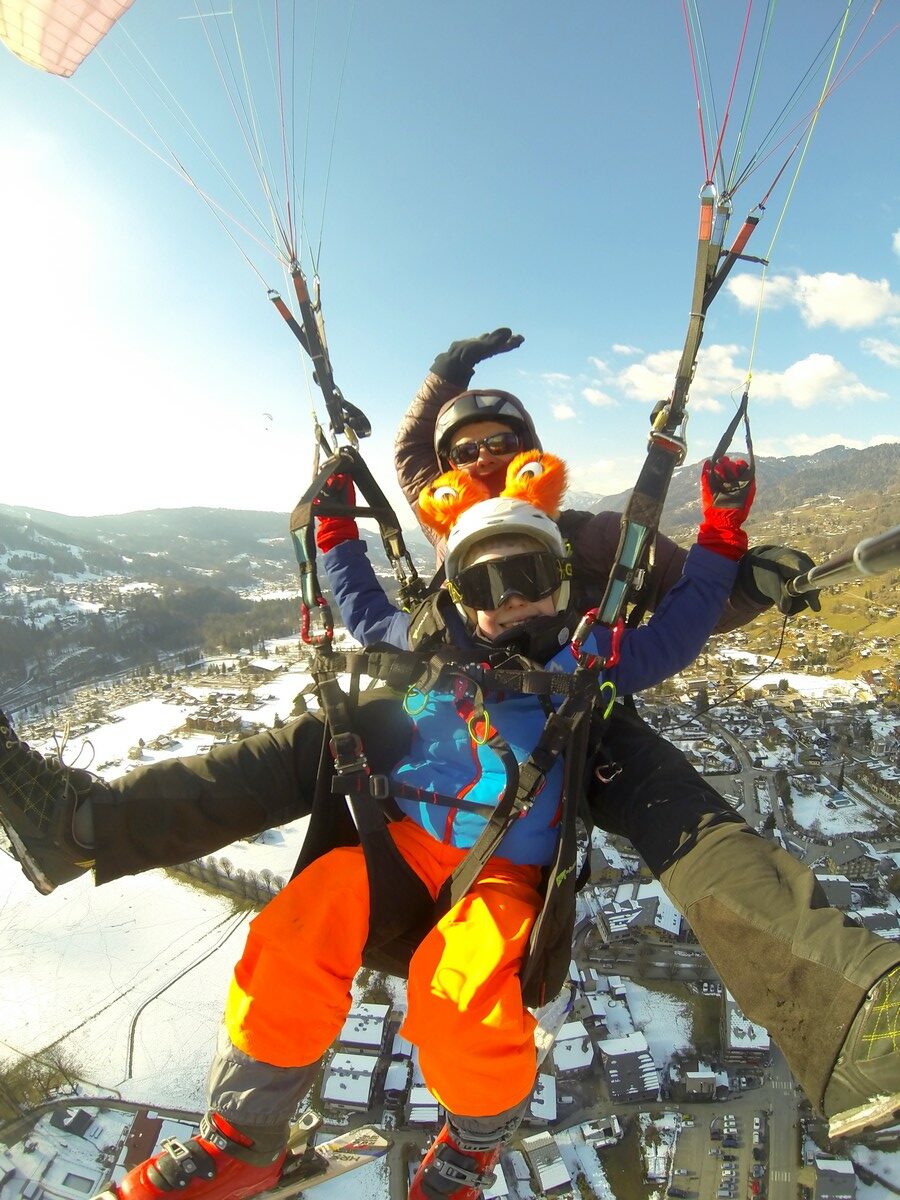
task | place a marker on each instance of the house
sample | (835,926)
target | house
(605,1131)
(573,1049)
(835,1179)
(366,1028)
(630,1070)
(348,1080)
(743,1043)
(700,1085)
(548,1170)
(837,890)
(543,1107)
(423,1109)
(397,1081)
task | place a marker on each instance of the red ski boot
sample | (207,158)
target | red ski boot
(219,1163)
(447,1172)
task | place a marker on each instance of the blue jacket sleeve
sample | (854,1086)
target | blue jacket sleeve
(678,629)
(365,609)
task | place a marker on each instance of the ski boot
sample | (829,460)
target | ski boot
(218,1163)
(863,1092)
(38,799)
(451,1172)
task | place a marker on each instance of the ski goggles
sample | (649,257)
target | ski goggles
(463,454)
(533,575)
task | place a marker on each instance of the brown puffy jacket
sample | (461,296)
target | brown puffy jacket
(594,536)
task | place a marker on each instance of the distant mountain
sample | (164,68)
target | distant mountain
(240,547)
(783,483)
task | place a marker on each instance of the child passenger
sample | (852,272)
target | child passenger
(507,578)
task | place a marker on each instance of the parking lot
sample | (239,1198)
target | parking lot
(722,1157)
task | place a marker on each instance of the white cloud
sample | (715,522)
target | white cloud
(626,351)
(847,301)
(598,399)
(776,293)
(555,378)
(720,374)
(896,242)
(887,352)
(563,412)
(816,379)
(599,365)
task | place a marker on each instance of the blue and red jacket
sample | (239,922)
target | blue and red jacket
(447,758)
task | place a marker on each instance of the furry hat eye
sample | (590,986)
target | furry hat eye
(538,479)
(531,470)
(442,502)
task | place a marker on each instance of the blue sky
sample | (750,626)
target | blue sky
(501,163)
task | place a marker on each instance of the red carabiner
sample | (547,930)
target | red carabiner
(313,639)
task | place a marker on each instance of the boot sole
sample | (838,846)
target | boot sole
(879,1111)
(19,851)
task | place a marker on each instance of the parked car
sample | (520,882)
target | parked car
(677,1192)
(757,1171)
(730,1157)
(730,1140)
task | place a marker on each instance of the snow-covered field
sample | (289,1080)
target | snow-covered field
(130,978)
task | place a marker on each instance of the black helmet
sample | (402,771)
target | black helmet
(487,405)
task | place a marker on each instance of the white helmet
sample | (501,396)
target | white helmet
(504,516)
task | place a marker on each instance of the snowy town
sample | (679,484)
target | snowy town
(656,1084)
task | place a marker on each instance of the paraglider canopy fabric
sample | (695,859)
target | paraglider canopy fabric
(57,35)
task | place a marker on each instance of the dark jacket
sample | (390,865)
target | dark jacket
(594,536)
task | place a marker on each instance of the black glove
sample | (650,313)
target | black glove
(765,570)
(457,365)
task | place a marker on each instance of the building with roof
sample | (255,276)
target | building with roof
(573,1049)
(549,1173)
(605,1131)
(743,1042)
(543,1109)
(348,1081)
(835,1179)
(422,1108)
(630,1070)
(366,1028)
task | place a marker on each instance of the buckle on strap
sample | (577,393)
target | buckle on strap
(348,753)
(460,1175)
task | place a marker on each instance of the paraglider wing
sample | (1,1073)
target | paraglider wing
(57,35)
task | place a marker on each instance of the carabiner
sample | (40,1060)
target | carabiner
(306,613)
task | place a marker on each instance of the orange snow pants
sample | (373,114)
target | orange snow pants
(290,993)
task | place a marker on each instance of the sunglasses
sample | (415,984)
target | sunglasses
(463,454)
(485,586)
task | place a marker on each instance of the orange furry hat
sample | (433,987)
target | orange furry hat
(533,477)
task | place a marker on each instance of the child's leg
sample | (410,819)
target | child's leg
(475,1037)
(287,1001)
(290,992)
(796,966)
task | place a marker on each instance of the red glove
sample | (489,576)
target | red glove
(727,489)
(331,531)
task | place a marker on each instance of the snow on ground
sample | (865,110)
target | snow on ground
(665,1021)
(85,964)
(833,814)
(581,1158)
(885,1165)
